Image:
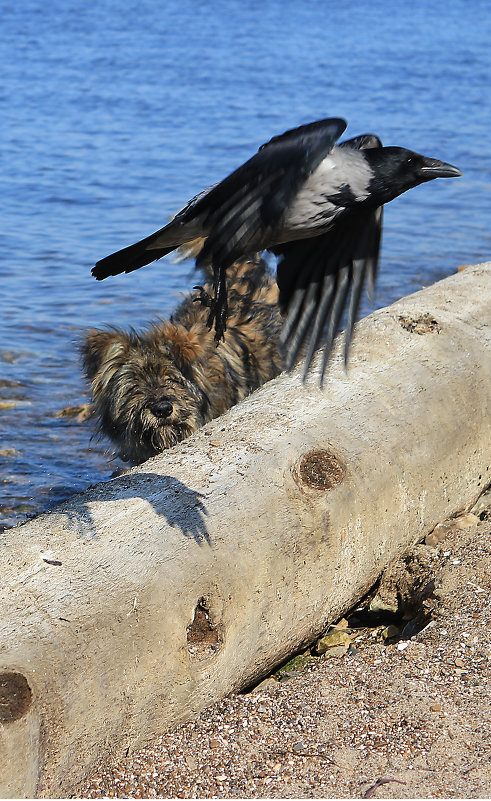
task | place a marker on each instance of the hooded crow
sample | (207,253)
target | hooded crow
(314,204)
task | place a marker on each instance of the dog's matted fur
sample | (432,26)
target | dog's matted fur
(151,389)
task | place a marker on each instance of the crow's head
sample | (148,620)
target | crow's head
(395,170)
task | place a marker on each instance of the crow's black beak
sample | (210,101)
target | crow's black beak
(433,168)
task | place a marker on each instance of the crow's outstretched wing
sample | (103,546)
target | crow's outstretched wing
(238,212)
(241,210)
(315,277)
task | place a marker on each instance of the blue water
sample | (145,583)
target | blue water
(113,114)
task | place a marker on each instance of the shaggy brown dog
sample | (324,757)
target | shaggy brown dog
(152,389)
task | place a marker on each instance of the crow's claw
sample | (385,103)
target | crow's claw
(203,297)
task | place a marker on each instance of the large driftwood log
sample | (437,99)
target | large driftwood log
(139,602)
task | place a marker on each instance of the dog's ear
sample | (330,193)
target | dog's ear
(186,343)
(95,349)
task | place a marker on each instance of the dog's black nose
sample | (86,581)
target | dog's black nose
(161,408)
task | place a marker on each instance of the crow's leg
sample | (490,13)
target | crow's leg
(221,301)
(218,304)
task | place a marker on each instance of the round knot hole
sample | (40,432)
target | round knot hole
(320,470)
(15,697)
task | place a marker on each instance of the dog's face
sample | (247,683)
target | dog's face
(143,389)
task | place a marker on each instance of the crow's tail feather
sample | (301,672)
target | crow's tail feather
(139,254)
(127,260)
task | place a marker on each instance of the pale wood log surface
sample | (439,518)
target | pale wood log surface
(275,518)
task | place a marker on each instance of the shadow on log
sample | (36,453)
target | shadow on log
(134,605)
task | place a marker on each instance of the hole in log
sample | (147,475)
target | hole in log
(320,470)
(15,697)
(202,636)
(423,324)
(403,601)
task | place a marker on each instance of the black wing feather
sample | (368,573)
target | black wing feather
(345,254)
(326,127)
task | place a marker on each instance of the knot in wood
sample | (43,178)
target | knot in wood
(202,636)
(423,324)
(15,697)
(320,470)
